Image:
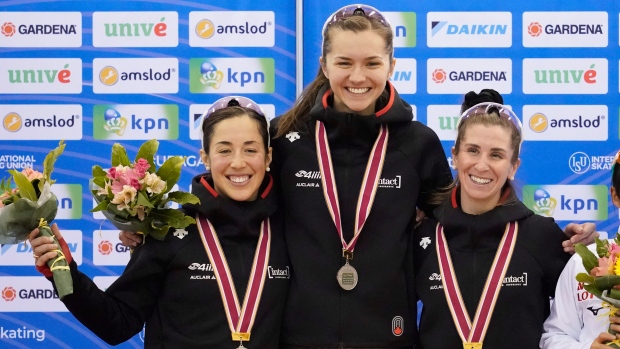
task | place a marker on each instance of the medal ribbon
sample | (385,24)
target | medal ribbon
(240,320)
(467,332)
(369,184)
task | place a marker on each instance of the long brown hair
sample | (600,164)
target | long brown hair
(298,115)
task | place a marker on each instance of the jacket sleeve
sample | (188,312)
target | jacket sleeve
(564,325)
(120,312)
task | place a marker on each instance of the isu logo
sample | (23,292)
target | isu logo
(9,294)
(12,122)
(105,247)
(108,76)
(205,29)
(534,29)
(538,122)
(397,326)
(8,29)
(439,76)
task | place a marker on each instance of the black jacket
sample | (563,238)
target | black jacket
(170,284)
(523,301)
(319,313)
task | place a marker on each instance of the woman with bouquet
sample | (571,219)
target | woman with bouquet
(578,319)
(207,286)
(487,265)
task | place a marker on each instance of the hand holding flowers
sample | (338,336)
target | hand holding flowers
(134,196)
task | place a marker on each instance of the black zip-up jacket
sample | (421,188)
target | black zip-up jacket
(375,314)
(523,302)
(170,284)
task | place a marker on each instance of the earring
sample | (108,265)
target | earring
(512,178)
(453,166)
(208,167)
(268,169)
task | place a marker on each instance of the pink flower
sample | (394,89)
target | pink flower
(140,167)
(32,174)
(605,266)
(111,173)
(134,182)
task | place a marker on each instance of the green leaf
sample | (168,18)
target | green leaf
(119,156)
(585,278)
(160,233)
(606,282)
(614,293)
(602,247)
(143,200)
(50,159)
(147,152)
(98,171)
(170,171)
(26,189)
(182,197)
(589,259)
(101,206)
(171,217)
(99,181)
(592,289)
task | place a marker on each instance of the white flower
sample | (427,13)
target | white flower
(154,184)
(124,197)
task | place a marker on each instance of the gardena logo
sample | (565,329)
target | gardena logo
(565,76)
(439,76)
(232,28)
(566,122)
(469,29)
(450,75)
(567,202)
(9,294)
(109,250)
(565,29)
(136,75)
(8,29)
(105,247)
(135,29)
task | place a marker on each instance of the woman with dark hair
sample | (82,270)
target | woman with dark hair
(488,264)
(206,287)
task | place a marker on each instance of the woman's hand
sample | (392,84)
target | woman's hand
(579,233)
(44,248)
(599,342)
(130,239)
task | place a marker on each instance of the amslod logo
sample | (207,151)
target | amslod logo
(404,26)
(565,29)
(567,202)
(135,75)
(41,121)
(565,122)
(231,75)
(232,28)
(450,75)
(21,254)
(40,75)
(469,29)
(135,29)
(135,121)
(40,29)
(565,76)
(196,111)
(108,250)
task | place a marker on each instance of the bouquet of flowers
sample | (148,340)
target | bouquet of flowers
(29,205)
(134,196)
(603,275)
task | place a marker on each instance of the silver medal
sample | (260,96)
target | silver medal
(347,277)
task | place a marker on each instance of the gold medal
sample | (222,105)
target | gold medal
(472,345)
(347,277)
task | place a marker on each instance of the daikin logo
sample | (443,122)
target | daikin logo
(404,77)
(469,29)
(567,202)
(232,75)
(136,29)
(473,29)
(232,28)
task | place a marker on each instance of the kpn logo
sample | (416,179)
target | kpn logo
(41,121)
(565,76)
(135,121)
(232,28)
(40,75)
(567,202)
(136,75)
(404,27)
(469,29)
(232,75)
(136,29)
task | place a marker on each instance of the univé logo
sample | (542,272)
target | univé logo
(205,29)
(9,294)
(210,76)
(566,76)
(8,29)
(40,76)
(12,122)
(114,122)
(105,247)
(544,204)
(136,29)
(534,29)
(439,76)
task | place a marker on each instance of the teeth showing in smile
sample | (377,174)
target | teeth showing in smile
(238,179)
(358,90)
(479,180)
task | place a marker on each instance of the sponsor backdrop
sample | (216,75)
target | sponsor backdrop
(98,72)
